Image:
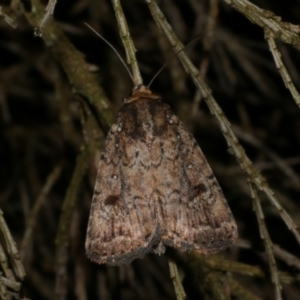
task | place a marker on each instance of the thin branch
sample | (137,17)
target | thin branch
(5,265)
(269,36)
(179,290)
(264,234)
(3,290)
(127,42)
(11,249)
(16,286)
(266,19)
(49,10)
(234,146)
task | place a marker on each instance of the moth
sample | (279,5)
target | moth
(154,188)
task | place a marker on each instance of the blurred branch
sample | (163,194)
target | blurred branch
(84,82)
(32,218)
(8,19)
(214,281)
(239,291)
(217,263)
(62,238)
(281,164)
(287,257)
(208,39)
(280,253)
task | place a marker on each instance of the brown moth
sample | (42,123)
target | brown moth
(154,188)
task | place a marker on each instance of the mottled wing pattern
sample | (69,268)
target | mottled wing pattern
(154,188)
(196,215)
(121,227)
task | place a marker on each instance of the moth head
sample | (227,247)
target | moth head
(140,92)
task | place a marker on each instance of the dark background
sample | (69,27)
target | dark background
(51,125)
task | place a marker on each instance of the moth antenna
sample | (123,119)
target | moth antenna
(112,47)
(168,60)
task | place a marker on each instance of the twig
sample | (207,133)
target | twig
(5,265)
(127,42)
(234,147)
(49,10)
(3,290)
(287,32)
(32,218)
(179,290)
(269,36)
(10,247)
(16,286)
(267,241)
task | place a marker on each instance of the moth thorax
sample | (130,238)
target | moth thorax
(141,92)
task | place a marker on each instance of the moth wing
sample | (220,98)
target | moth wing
(193,211)
(120,227)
